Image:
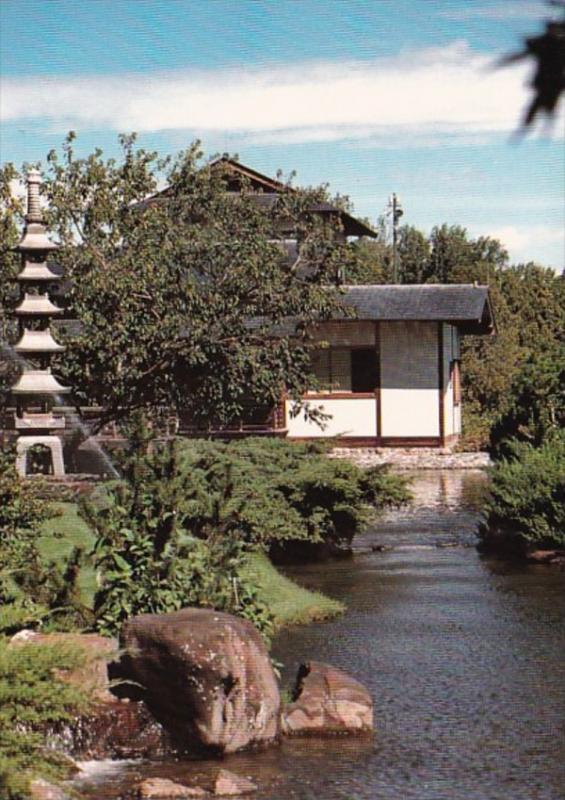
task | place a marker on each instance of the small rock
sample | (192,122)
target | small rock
(327,700)
(165,788)
(546,556)
(42,790)
(228,784)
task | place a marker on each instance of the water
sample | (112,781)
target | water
(463,656)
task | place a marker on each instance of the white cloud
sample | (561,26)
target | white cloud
(543,243)
(430,93)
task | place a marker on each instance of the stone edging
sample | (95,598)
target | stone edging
(412,459)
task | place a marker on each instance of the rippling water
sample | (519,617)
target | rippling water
(463,656)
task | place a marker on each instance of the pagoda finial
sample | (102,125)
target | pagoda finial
(33,206)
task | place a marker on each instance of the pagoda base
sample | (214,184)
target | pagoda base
(52,443)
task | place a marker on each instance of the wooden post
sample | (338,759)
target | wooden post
(441,385)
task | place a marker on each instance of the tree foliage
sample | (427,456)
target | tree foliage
(178,530)
(178,292)
(548,53)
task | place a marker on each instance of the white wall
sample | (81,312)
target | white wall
(409,378)
(349,417)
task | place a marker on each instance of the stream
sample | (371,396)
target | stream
(464,657)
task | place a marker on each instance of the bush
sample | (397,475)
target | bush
(151,561)
(22,573)
(33,701)
(178,529)
(32,589)
(286,492)
(526,507)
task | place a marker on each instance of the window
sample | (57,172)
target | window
(364,370)
(341,369)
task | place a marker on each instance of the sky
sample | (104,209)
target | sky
(370,96)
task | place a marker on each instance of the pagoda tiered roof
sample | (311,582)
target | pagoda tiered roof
(39,381)
(37,271)
(35,239)
(37,304)
(40,422)
(38,342)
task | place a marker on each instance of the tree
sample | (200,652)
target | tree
(413,254)
(178,295)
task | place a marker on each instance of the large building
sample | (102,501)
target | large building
(390,377)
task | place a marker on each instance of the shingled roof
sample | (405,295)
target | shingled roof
(467,305)
(264,192)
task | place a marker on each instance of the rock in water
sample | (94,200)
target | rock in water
(228,784)
(42,790)
(207,678)
(164,788)
(327,700)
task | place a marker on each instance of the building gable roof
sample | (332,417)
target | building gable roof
(268,188)
(264,192)
(466,305)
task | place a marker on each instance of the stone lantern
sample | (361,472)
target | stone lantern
(37,390)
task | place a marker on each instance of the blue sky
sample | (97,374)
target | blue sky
(372,96)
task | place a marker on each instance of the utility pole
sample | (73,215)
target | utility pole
(395,211)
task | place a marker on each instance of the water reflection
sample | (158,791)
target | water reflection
(463,656)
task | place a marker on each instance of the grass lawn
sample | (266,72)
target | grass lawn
(291,604)
(60,535)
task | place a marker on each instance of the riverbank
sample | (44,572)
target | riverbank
(289,603)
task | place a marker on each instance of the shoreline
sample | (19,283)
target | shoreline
(409,459)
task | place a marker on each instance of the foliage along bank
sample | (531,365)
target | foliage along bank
(178,530)
(526,508)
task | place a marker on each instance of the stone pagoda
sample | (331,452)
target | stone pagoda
(37,391)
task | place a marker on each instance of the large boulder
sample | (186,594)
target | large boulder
(327,700)
(207,678)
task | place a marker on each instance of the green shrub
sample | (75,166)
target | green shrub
(151,561)
(22,573)
(34,701)
(286,491)
(526,508)
(33,589)
(177,530)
